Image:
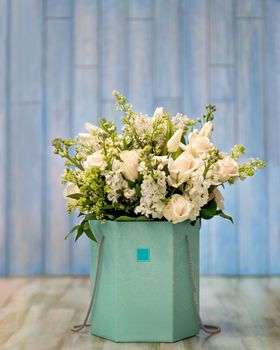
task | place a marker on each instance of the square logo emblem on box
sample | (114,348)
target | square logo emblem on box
(143,254)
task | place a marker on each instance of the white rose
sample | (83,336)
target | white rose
(199,145)
(225,169)
(206,130)
(181,169)
(92,128)
(129,164)
(219,199)
(95,160)
(174,142)
(178,209)
(86,138)
(70,189)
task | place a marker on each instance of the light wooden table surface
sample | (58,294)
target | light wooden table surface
(37,313)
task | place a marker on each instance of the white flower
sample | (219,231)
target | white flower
(152,193)
(159,112)
(129,164)
(95,160)
(174,142)
(178,209)
(116,184)
(199,145)
(129,193)
(92,129)
(206,130)
(219,199)
(225,169)
(70,189)
(181,169)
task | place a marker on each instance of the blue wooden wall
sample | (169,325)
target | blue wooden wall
(60,61)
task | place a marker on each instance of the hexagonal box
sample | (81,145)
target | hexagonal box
(144,291)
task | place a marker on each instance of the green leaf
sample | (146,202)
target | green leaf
(80,233)
(75,195)
(225,216)
(209,210)
(73,230)
(90,235)
(131,218)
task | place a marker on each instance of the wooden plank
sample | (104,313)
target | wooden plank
(194,40)
(58,114)
(25,181)
(3,132)
(272,112)
(252,193)
(26,41)
(246,309)
(113,52)
(59,9)
(25,187)
(221,32)
(249,8)
(223,235)
(167,50)
(140,46)
(86,33)
(85,103)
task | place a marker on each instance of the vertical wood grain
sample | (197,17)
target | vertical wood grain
(85,93)
(140,55)
(167,55)
(113,55)
(272,127)
(252,208)
(4,18)
(58,113)
(25,138)
(195,80)
(223,235)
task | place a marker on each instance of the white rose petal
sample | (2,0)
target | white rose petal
(206,130)
(225,169)
(219,199)
(95,160)
(70,189)
(181,169)
(92,128)
(199,145)
(178,209)
(174,142)
(129,164)
(159,111)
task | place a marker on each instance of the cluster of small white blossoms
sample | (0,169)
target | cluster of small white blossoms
(160,167)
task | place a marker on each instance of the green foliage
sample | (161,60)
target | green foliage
(210,210)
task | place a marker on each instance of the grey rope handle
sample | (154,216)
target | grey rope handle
(79,327)
(208,328)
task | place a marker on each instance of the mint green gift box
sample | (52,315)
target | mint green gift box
(144,291)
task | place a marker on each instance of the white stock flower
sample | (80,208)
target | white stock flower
(129,164)
(219,199)
(174,142)
(206,130)
(178,209)
(152,193)
(95,160)
(199,145)
(182,168)
(70,189)
(225,169)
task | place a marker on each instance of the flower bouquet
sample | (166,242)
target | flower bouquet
(145,190)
